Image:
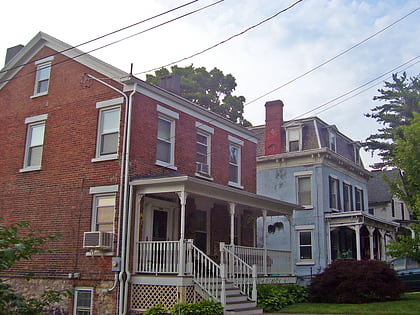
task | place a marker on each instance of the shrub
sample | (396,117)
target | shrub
(156,310)
(353,281)
(274,297)
(202,308)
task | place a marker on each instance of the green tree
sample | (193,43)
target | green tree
(209,89)
(398,144)
(20,242)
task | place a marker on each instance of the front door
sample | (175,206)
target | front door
(160,225)
(160,220)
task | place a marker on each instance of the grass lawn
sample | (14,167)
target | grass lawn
(409,304)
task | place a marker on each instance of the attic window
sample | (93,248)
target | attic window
(294,139)
(42,78)
(333,141)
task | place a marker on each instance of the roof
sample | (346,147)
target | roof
(378,189)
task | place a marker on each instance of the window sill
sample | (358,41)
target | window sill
(236,185)
(30,169)
(305,263)
(204,176)
(97,252)
(39,94)
(167,165)
(105,158)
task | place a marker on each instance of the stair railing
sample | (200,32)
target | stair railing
(239,272)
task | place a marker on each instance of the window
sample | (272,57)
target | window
(333,141)
(402,211)
(348,197)
(334,193)
(103,213)
(359,199)
(305,245)
(393,208)
(356,149)
(42,78)
(108,129)
(293,142)
(200,235)
(34,142)
(83,301)
(234,164)
(304,193)
(203,153)
(166,141)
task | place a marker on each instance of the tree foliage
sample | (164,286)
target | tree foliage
(398,145)
(209,89)
(20,242)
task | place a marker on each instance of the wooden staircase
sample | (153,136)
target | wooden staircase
(238,303)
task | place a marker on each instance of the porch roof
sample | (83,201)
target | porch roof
(212,190)
(338,219)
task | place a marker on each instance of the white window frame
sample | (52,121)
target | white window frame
(332,141)
(358,191)
(288,131)
(104,106)
(45,63)
(337,205)
(30,123)
(102,192)
(350,203)
(300,175)
(207,157)
(238,144)
(171,117)
(83,309)
(305,229)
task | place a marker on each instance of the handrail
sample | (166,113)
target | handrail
(206,273)
(239,272)
(158,257)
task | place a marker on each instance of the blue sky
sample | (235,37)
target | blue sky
(263,59)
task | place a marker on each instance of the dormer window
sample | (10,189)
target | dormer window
(294,139)
(42,78)
(333,141)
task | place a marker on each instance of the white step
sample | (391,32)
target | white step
(240,305)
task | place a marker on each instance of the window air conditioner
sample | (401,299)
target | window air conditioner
(98,240)
(202,168)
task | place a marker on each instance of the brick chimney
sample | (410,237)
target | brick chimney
(273,123)
(171,83)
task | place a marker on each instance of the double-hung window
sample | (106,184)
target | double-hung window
(108,129)
(359,200)
(334,193)
(165,147)
(305,244)
(104,204)
(333,141)
(304,188)
(34,142)
(235,146)
(293,139)
(42,78)
(203,149)
(347,197)
(83,301)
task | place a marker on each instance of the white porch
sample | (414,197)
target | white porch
(198,230)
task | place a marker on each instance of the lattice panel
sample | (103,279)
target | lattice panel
(145,296)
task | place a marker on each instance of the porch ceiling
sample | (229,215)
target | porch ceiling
(200,187)
(359,217)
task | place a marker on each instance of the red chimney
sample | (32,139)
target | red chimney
(273,122)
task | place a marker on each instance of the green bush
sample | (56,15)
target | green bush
(274,297)
(157,310)
(202,308)
(355,281)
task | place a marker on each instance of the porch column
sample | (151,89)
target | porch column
(358,247)
(329,259)
(232,207)
(371,252)
(264,213)
(382,241)
(182,195)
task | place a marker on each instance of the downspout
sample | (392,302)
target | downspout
(127,207)
(125,275)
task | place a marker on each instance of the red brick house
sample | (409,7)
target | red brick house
(154,196)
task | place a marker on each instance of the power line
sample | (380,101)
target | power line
(117,41)
(108,34)
(223,41)
(355,89)
(333,58)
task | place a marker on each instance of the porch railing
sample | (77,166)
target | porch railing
(268,262)
(158,257)
(239,272)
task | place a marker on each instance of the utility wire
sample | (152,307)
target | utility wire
(223,41)
(358,88)
(108,34)
(333,58)
(120,40)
